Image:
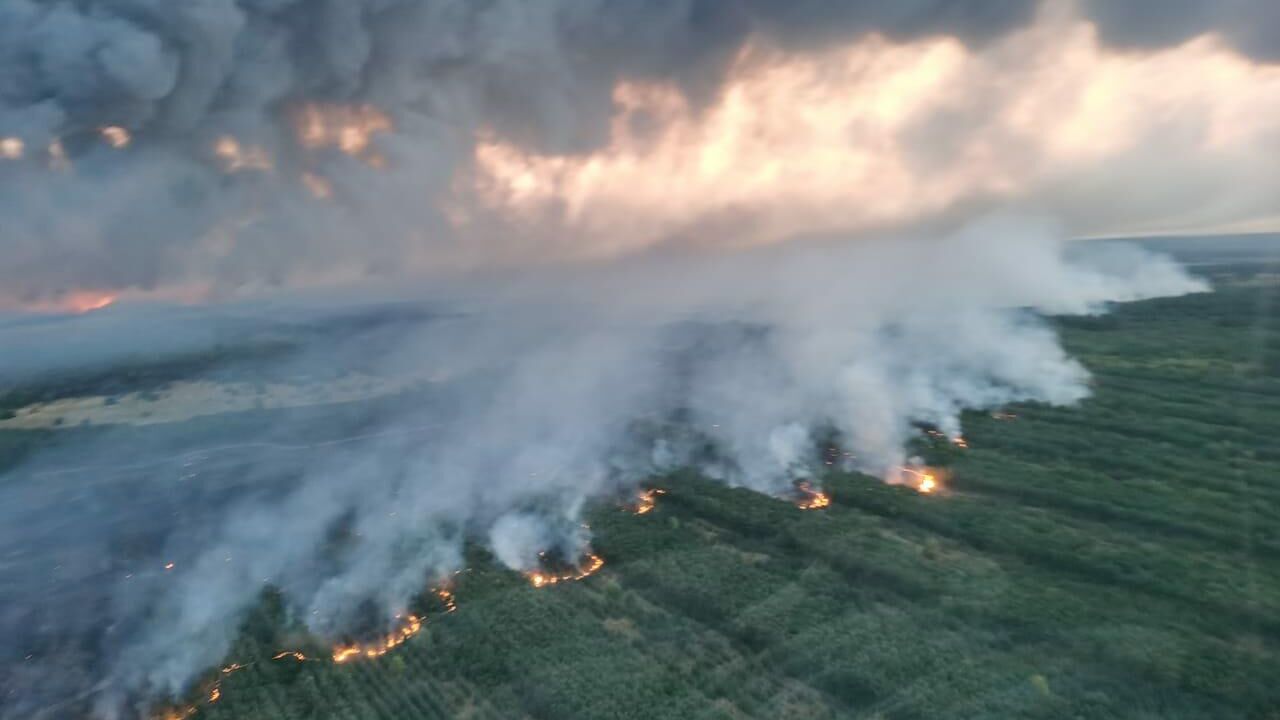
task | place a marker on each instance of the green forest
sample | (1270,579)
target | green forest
(1119,559)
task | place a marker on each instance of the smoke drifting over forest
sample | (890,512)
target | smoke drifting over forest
(614,265)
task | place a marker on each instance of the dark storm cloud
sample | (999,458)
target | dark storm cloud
(1251,26)
(545,67)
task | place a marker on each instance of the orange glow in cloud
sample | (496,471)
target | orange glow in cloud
(350,129)
(78,302)
(878,132)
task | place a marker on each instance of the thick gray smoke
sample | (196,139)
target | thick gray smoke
(1253,26)
(76,212)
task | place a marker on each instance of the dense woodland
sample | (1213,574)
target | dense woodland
(1120,559)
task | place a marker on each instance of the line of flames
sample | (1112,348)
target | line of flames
(341,654)
(411,626)
(542,578)
(810,499)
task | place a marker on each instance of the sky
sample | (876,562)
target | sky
(220,148)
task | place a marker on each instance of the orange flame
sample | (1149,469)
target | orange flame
(811,499)
(925,482)
(591,566)
(378,648)
(341,654)
(446,597)
(647,500)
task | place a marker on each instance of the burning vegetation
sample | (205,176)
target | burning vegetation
(811,498)
(646,500)
(589,566)
(924,480)
(409,625)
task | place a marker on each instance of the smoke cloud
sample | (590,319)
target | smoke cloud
(220,147)
(607,264)
(543,394)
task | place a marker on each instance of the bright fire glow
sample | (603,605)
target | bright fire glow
(116,137)
(77,302)
(236,157)
(924,481)
(350,129)
(811,499)
(412,625)
(647,500)
(590,566)
(12,148)
(446,596)
(88,301)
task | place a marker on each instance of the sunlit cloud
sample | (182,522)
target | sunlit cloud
(877,133)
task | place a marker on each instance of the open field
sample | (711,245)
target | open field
(1115,560)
